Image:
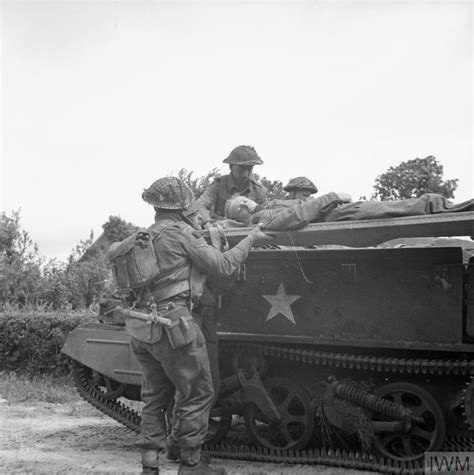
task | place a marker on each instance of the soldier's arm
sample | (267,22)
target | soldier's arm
(295,217)
(209,198)
(209,259)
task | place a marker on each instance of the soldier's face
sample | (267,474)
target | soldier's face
(299,194)
(241,173)
(242,214)
(240,208)
(245,209)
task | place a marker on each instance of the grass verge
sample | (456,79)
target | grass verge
(20,388)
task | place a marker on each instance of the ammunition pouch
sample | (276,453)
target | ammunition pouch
(180,328)
(182,332)
(144,330)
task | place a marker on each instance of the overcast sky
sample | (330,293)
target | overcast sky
(99,99)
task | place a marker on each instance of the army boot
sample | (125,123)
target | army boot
(173,451)
(201,468)
(150,470)
(172,454)
(193,464)
(150,462)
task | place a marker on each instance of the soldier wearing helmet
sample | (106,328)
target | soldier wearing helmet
(240,180)
(300,188)
(178,367)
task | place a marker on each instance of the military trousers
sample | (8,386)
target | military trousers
(207,321)
(183,373)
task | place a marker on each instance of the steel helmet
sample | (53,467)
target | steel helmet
(301,183)
(169,193)
(243,155)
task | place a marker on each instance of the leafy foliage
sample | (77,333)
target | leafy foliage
(275,188)
(20,262)
(31,342)
(87,274)
(412,179)
(60,289)
(198,184)
(117,229)
(25,279)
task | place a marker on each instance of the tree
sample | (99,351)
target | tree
(20,263)
(26,279)
(412,179)
(116,229)
(86,275)
(14,241)
(198,184)
(275,188)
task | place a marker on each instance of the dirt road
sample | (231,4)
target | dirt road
(43,438)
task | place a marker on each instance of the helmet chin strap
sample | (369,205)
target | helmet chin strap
(188,221)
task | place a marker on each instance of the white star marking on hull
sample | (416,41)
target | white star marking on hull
(280,303)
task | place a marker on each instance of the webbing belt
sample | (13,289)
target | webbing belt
(170,290)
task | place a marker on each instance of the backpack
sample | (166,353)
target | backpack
(134,261)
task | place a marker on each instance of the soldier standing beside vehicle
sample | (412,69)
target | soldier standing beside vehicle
(300,188)
(239,181)
(176,363)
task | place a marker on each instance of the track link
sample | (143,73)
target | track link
(358,362)
(113,408)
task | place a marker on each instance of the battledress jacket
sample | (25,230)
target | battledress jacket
(294,214)
(180,249)
(224,187)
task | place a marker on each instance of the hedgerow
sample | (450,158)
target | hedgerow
(31,341)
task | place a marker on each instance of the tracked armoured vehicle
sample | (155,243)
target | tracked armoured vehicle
(354,357)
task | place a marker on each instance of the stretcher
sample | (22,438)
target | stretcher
(369,232)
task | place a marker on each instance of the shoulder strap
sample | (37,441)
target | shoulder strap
(156,230)
(218,237)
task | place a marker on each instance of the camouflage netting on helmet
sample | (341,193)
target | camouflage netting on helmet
(169,193)
(301,183)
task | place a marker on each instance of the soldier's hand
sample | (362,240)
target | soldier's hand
(260,238)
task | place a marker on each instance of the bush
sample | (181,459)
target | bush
(31,341)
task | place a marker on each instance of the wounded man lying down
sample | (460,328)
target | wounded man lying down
(294,214)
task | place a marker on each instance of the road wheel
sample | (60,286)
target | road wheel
(427,432)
